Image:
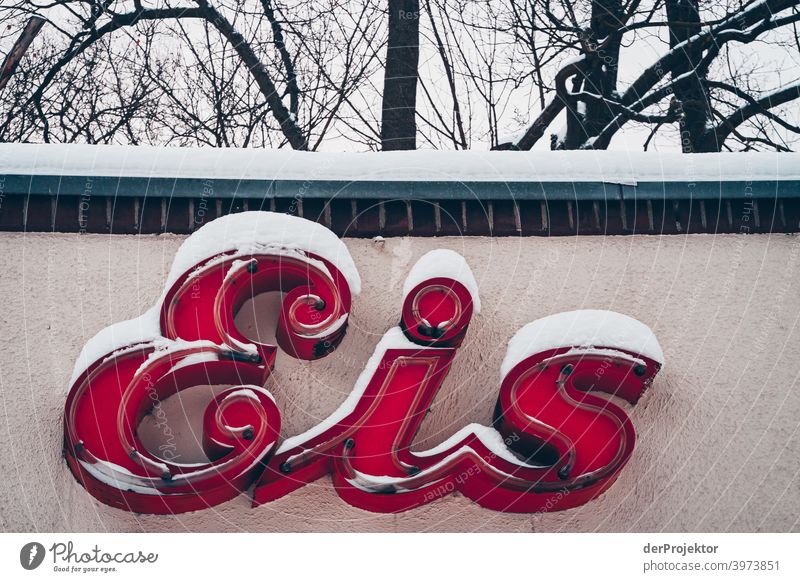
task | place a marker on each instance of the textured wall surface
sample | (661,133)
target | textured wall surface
(718,448)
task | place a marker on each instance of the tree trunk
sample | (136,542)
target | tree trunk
(399,125)
(690,92)
(599,76)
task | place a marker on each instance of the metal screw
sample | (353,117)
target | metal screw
(639,370)
(285,467)
(248,434)
(252,267)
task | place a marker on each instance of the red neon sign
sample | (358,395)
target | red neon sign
(554,443)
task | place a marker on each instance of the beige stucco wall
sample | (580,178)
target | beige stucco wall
(718,449)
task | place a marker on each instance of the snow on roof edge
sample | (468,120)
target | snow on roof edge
(621,167)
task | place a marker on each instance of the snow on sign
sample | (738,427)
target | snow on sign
(554,443)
